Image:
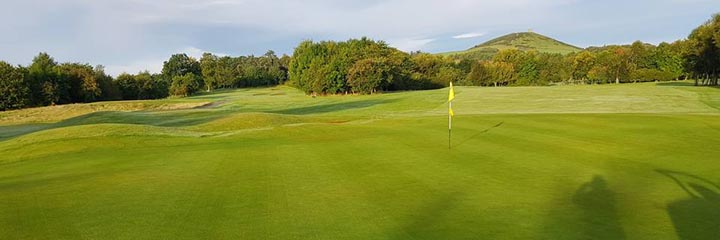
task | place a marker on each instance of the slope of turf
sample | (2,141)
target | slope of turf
(524,41)
(631,161)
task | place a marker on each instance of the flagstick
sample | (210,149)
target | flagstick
(449,126)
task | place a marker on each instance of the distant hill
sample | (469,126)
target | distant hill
(525,41)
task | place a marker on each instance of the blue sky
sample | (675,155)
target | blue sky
(134,35)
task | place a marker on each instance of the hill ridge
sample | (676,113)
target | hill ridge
(524,41)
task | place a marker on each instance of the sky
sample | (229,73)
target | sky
(134,35)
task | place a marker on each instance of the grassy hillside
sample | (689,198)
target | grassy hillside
(525,41)
(573,162)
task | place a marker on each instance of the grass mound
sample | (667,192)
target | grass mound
(58,113)
(241,121)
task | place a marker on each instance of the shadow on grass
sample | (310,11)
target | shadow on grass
(8,132)
(334,107)
(429,217)
(684,84)
(598,210)
(163,119)
(217,93)
(676,84)
(479,133)
(698,216)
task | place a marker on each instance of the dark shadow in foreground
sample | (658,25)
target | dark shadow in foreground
(599,213)
(698,216)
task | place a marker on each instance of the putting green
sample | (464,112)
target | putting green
(635,161)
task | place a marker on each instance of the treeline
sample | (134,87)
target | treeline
(364,66)
(244,71)
(697,57)
(46,82)
(701,52)
(639,62)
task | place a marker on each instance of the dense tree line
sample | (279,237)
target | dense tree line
(141,86)
(638,62)
(697,57)
(45,82)
(365,66)
(701,52)
(243,71)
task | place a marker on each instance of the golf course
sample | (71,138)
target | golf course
(617,161)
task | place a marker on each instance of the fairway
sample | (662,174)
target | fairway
(628,161)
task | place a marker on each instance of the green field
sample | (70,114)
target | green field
(634,161)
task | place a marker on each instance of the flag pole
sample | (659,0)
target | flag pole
(451,96)
(449,125)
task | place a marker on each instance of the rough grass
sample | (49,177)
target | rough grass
(631,161)
(56,113)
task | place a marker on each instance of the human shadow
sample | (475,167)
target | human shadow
(479,133)
(598,210)
(335,107)
(427,220)
(698,216)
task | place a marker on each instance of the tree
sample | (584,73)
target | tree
(502,73)
(185,85)
(553,68)
(226,74)
(108,89)
(83,86)
(369,75)
(151,86)
(668,58)
(128,87)
(179,65)
(43,81)
(446,74)
(14,92)
(479,75)
(209,68)
(703,51)
(528,69)
(582,63)
(326,68)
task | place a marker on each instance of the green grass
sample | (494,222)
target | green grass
(634,161)
(525,41)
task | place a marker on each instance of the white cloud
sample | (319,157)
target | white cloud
(154,65)
(468,35)
(409,45)
(151,65)
(197,53)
